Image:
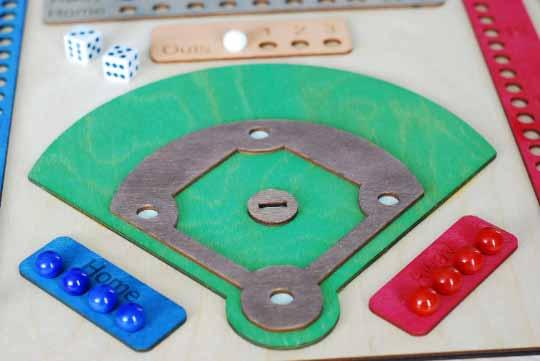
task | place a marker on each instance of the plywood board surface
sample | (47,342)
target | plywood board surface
(430,51)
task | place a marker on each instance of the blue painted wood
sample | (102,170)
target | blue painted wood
(162,315)
(12,14)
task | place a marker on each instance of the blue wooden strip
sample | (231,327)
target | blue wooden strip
(12,13)
(162,315)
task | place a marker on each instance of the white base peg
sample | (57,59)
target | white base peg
(235,41)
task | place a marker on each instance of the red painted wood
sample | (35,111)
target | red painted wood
(392,302)
(506,22)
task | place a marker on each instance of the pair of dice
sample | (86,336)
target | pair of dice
(84,44)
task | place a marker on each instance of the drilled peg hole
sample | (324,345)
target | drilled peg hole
(519,103)
(10,4)
(161,8)
(267,45)
(147,212)
(486,20)
(508,74)
(6,29)
(332,43)
(261,3)
(496,46)
(481,7)
(388,200)
(128,9)
(525,118)
(281,298)
(513,88)
(535,150)
(299,44)
(7,17)
(258,134)
(531,134)
(229,4)
(196,5)
(502,59)
(491,33)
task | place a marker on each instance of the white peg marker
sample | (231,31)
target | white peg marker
(234,41)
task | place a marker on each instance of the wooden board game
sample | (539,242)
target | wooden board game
(403,47)
(337,216)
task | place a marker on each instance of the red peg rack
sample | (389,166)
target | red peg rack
(420,295)
(511,49)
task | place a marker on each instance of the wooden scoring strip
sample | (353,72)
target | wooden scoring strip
(199,42)
(12,18)
(55,11)
(511,50)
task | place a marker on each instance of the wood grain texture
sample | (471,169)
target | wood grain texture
(80,11)
(270,39)
(310,184)
(272,207)
(97,158)
(172,169)
(412,48)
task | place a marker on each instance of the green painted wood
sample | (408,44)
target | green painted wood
(90,160)
(214,210)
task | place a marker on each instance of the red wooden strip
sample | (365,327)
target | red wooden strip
(393,301)
(511,49)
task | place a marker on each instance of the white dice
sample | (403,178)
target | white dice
(83,44)
(120,63)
